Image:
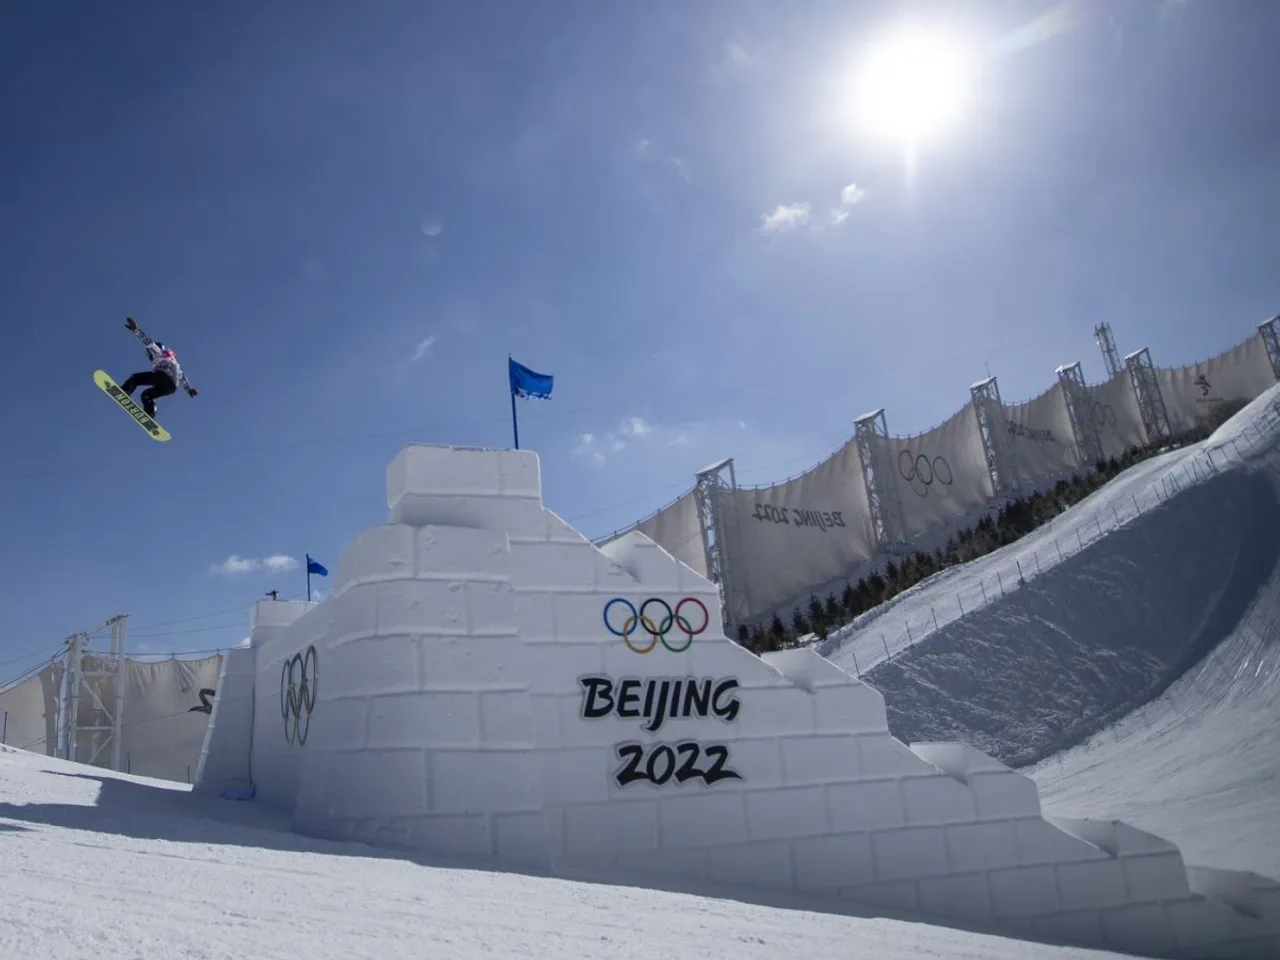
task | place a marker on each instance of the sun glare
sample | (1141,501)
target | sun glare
(913,85)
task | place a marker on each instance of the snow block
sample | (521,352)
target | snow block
(224,758)
(486,682)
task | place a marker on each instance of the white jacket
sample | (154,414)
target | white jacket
(163,360)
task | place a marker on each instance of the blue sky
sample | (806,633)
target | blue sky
(344,216)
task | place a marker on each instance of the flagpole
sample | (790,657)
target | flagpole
(515,424)
(308,556)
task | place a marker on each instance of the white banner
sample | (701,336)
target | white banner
(29,712)
(1192,393)
(941,475)
(1116,415)
(1039,437)
(166,710)
(791,538)
(676,530)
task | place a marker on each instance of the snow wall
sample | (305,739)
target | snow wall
(485,682)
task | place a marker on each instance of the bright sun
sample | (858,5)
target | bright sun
(913,85)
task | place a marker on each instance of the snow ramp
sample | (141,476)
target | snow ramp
(1141,675)
(1097,634)
(485,682)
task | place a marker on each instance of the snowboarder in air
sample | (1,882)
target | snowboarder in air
(164,377)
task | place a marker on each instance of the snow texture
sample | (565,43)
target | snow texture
(116,867)
(486,683)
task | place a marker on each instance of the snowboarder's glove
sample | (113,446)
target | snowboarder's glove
(128,322)
(192,392)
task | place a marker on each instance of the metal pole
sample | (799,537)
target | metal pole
(117,648)
(4,735)
(73,696)
(515,424)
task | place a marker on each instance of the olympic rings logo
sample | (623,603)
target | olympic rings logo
(298,676)
(641,620)
(1103,415)
(922,470)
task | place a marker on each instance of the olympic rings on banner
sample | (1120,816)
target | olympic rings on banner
(640,619)
(1103,415)
(298,694)
(921,468)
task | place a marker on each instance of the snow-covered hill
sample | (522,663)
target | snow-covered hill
(105,866)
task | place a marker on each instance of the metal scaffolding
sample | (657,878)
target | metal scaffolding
(989,408)
(1142,374)
(884,501)
(1084,425)
(89,683)
(714,518)
(1270,330)
(1107,344)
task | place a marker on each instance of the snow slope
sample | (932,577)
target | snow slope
(104,865)
(1148,653)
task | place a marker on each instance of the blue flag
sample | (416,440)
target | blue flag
(526,383)
(314,566)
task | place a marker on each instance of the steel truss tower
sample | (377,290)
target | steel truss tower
(1142,374)
(888,522)
(714,519)
(989,409)
(89,683)
(1107,344)
(1084,425)
(1270,330)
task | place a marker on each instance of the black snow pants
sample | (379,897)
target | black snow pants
(158,385)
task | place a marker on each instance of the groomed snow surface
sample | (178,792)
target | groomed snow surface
(100,866)
(1150,653)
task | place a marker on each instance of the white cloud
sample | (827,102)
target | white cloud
(739,55)
(631,431)
(587,449)
(647,151)
(431,227)
(785,217)
(838,216)
(422,349)
(730,62)
(852,194)
(236,565)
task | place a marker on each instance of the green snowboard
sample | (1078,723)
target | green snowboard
(112,389)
